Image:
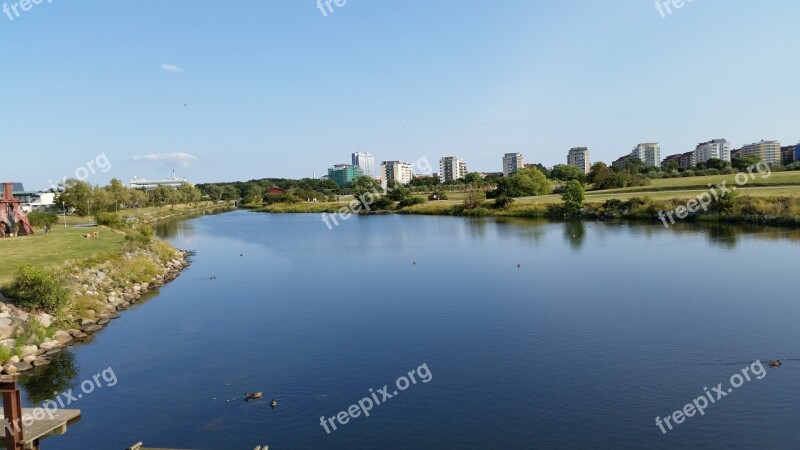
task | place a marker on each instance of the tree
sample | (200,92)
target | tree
(76,195)
(397,192)
(716,163)
(598,173)
(745,162)
(118,192)
(189,193)
(474,198)
(366,189)
(214,192)
(566,173)
(473,178)
(633,165)
(573,196)
(522,183)
(329,185)
(255,193)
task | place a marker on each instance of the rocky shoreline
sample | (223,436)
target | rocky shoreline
(70,330)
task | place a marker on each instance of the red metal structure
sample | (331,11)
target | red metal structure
(12,218)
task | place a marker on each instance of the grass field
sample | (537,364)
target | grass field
(665,184)
(57,247)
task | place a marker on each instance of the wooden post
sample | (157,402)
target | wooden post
(12,409)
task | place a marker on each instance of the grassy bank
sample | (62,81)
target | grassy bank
(60,246)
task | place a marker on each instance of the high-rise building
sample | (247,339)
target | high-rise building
(451,168)
(789,154)
(366,162)
(511,163)
(579,157)
(769,151)
(718,148)
(399,171)
(648,153)
(343,174)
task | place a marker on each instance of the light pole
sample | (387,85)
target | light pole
(64,207)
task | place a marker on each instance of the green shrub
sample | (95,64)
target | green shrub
(135,270)
(42,219)
(164,251)
(110,220)
(411,201)
(502,202)
(37,287)
(141,236)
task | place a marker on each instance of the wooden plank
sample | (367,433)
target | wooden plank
(41,428)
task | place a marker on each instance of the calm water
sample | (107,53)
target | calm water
(601,329)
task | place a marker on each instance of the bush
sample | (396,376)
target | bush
(41,219)
(503,202)
(411,201)
(135,270)
(110,220)
(142,236)
(37,287)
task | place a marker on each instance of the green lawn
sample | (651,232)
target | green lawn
(791,178)
(55,248)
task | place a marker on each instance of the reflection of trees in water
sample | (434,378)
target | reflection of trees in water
(477,228)
(45,383)
(575,232)
(172,227)
(723,235)
(528,229)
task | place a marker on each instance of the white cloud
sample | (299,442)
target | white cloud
(171,68)
(180,158)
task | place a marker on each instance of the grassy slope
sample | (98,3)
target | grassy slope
(57,247)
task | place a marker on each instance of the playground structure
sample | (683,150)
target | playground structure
(13,220)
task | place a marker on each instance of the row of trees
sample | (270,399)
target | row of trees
(85,199)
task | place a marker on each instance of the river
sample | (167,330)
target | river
(517,334)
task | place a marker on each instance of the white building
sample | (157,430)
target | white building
(718,148)
(149,185)
(769,151)
(40,201)
(399,171)
(648,153)
(451,168)
(511,163)
(579,157)
(366,162)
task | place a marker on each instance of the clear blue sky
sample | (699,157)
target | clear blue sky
(275,89)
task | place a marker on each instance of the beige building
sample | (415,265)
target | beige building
(648,153)
(511,163)
(451,168)
(579,157)
(769,151)
(399,171)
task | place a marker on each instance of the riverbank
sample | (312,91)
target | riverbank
(756,207)
(100,272)
(98,292)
